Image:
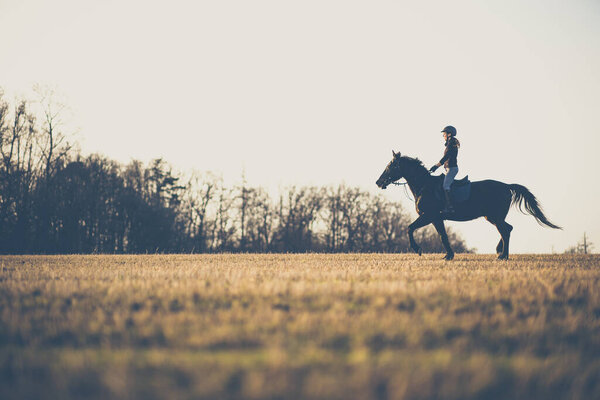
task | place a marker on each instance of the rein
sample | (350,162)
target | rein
(404,184)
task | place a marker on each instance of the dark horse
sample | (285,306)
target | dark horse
(489,199)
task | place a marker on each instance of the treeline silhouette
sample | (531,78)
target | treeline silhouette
(54,200)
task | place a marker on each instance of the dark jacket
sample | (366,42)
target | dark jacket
(450,154)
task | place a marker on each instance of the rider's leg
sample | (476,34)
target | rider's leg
(448,208)
(448,179)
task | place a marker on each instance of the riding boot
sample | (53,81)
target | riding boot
(448,208)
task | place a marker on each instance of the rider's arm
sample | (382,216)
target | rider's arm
(452,148)
(445,158)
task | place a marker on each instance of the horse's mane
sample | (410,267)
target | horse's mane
(414,163)
(413,160)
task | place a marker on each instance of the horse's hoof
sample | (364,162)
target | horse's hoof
(502,257)
(420,251)
(449,257)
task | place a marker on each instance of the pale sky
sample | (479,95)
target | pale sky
(320,92)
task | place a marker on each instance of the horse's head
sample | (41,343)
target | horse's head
(391,173)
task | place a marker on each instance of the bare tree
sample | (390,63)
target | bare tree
(202,189)
(242,197)
(224,221)
(582,247)
(53,143)
(259,222)
(18,170)
(333,215)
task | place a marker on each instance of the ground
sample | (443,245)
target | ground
(339,326)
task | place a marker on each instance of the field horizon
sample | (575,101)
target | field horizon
(325,326)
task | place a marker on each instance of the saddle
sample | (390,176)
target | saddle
(459,191)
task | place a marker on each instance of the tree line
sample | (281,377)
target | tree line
(55,200)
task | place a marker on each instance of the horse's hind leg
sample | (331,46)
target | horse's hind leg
(500,247)
(504,228)
(497,214)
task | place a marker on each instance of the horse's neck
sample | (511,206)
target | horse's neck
(416,182)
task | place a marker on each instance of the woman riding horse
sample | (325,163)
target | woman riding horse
(490,199)
(450,164)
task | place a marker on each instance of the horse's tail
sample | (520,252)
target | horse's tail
(521,194)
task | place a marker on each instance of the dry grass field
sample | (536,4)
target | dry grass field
(299,326)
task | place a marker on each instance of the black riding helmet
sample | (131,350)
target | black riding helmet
(450,129)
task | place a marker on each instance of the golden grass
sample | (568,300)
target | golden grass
(300,326)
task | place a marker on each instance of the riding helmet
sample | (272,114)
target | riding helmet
(450,129)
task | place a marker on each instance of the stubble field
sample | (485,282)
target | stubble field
(299,326)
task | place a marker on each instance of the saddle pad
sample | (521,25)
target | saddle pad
(459,193)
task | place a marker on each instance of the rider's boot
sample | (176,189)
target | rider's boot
(448,208)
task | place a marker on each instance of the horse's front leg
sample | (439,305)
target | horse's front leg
(441,229)
(418,223)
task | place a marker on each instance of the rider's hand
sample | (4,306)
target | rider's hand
(432,169)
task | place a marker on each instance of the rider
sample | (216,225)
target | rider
(450,164)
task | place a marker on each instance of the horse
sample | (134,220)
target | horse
(488,198)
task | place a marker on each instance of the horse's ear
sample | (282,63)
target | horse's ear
(395,154)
